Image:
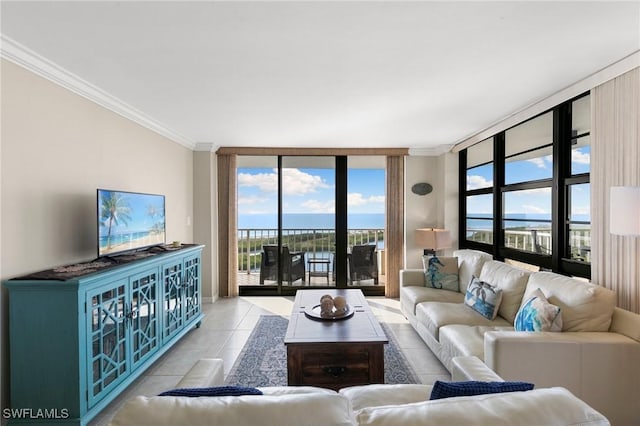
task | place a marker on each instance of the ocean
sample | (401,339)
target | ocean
(310,221)
(482,222)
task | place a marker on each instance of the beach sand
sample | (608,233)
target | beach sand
(151,239)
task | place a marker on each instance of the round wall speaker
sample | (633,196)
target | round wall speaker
(422,188)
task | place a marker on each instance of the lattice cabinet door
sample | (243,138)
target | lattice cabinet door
(143,315)
(107,310)
(173,299)
(191,287)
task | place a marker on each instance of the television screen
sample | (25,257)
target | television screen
(129,221)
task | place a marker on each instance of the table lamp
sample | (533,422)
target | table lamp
(432,239)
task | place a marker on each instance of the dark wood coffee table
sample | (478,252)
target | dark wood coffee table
(334,353)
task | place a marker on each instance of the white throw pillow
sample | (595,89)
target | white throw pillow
(441,272)
(483,298)
(537,314)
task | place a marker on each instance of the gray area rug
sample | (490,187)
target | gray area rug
(263,360)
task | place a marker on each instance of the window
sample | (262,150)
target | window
(480,218)
(528,150)
(479,186)
(527,220)
(580,131)
(525,192)
(578,188)
(580,222)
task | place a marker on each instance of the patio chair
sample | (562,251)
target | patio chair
(293,264)
(363,263)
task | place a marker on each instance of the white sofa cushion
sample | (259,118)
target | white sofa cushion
(469,265)
(433,315)
(555,406)
(512,281)
(463,340)
(414,295)
(584,306)
(277,410)
(378,395)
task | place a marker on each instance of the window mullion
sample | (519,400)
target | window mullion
(498,185)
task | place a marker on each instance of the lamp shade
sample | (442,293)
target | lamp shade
(624,210)
(433,239)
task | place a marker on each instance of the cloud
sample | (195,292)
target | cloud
(294,182)
(580,157)
(542,162)
(357,199)
(477,181)
(265,182)
(252,200)
(316,206)
(528,208)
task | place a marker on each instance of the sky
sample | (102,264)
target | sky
(308,190)
(311,190)
(530,202)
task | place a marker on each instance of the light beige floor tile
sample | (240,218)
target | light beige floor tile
(226,328)
(238,339)
(423,361)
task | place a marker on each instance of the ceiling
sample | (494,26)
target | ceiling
(326,74)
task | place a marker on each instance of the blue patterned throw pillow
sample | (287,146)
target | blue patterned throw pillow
(452,389)
(483,298)
(537,314)
(212,391)
(441,272)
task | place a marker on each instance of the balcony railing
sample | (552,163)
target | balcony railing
(319,243)
(538,241)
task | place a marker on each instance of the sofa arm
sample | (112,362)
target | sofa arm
(464,368)
(410,277)
(598,367)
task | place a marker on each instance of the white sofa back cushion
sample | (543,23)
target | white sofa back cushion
(511,280)
(556,406)
(584,306)
(376,395)
(264,410)
(469,264)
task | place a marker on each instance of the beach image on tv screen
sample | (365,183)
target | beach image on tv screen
(128,221)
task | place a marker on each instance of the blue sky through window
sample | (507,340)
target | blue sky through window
(308,191)
(536,204)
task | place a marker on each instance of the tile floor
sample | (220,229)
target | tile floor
(226,328)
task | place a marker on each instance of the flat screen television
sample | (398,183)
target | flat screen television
(129,221)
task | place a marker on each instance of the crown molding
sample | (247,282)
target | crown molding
(32,61)
(434,151)
(205,146)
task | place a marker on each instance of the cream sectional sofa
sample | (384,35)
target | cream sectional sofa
(596,356)
(360,405)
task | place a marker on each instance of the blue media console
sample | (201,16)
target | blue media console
(76,343)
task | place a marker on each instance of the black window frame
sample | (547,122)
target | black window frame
(559,260)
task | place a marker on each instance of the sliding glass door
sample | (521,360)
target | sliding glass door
(310,222)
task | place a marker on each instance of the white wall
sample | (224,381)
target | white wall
(439,209)
(57,148)
(205,219)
